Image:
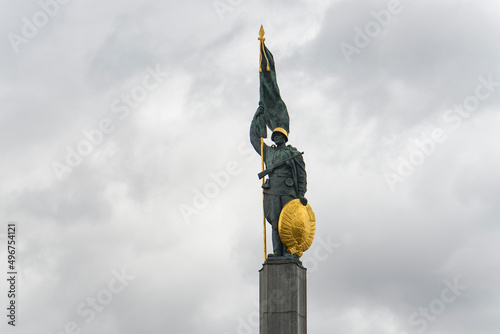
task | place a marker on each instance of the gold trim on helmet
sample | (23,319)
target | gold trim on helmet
(281,130)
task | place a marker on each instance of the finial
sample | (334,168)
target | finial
(262,39)
(261,33)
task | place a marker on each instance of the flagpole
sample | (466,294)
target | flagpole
(263,51)
(263,212)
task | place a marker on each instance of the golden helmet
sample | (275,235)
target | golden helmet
(280,130)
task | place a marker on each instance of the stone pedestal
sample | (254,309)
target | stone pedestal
(283,297)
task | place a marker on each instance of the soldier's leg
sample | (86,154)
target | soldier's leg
(272,209)
(278,247)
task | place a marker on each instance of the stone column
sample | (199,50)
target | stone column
(283,297)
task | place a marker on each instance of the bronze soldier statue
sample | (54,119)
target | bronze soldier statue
(287,179)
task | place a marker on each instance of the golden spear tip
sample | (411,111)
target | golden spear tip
(262,39)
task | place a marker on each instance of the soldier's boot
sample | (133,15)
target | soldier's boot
(277,244)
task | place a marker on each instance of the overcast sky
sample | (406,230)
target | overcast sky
(126,163)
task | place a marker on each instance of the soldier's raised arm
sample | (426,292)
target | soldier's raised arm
(258,129)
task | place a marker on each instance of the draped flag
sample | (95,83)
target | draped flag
(275,112)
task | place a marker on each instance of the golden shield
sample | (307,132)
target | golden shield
(297,226)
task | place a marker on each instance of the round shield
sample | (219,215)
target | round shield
(297,225)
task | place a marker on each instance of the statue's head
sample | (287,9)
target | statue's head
(279,136)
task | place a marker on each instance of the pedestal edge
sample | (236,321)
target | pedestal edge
(273,261)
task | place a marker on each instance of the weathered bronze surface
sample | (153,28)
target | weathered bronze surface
(286,173)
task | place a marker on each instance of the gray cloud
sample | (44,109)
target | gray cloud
(185,147)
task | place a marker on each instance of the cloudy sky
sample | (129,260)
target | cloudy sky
(127,166)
